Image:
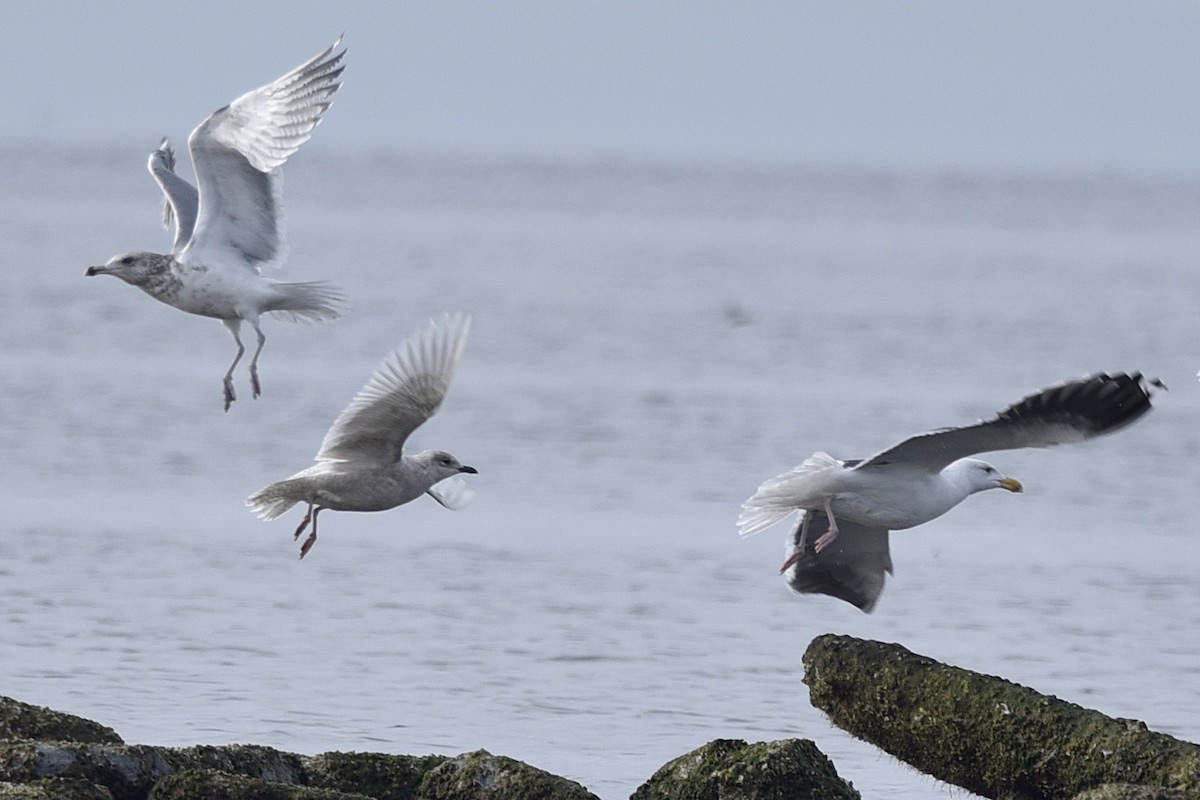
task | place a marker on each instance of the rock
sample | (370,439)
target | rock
(24,721)
(983,733)
(1129,791)
(54,789)
(213,784)
(384,777)
(483,776)
(130,771)
(730,769)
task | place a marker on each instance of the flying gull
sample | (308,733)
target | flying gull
(229,228)
(361,465)
(840,545)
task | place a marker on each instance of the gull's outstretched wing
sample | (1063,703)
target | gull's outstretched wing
(406,389)
(850,568)
(180,198)
(1070,412)
(237,151)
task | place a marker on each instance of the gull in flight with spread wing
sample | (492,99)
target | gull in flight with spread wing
(840,545)
(231,226)
(361,465)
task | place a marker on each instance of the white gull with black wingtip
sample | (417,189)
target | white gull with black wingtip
(840,545)
(361,465)
(229,227)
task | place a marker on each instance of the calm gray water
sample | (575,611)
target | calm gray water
(649,344)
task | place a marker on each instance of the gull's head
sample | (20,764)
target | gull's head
(982,475)
(135,268)
(442,465)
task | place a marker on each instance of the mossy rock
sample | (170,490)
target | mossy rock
(213,784)
(1130,791)
(382,776)
(984,733)
(54,789)
(24,721)
(130,771)
(731,769)
(483,776)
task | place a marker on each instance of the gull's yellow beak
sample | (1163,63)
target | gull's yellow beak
(1012,484)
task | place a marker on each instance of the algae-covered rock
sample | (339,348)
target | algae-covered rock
(24,721)
(384,777)
(483,776)
(1129,791)
(54,789)
(730,769)
(211,784)
(130,771)
(983,733)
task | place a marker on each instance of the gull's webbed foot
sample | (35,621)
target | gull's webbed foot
(303,524)
(308,543)
(826,538)
(229,395)
(255,387)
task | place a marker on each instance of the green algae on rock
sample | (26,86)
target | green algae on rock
(483,776)
(24,721)
(130,771)
(213,784)
(382,776)
(54,789)
(731,769)
(983,733)
(1130,791)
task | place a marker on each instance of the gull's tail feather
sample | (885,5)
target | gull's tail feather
(311,301)
(777,498)
(274,500)
(755,517)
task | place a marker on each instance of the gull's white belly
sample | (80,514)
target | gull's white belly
(895,502)
(214,293)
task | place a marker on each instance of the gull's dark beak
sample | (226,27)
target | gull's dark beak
(469,470)
(94,271)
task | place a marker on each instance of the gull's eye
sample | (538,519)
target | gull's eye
(127,260)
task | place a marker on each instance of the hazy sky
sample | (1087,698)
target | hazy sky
(1043,85)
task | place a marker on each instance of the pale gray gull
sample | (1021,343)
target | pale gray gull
(840,545)
(361,465)
(229,228)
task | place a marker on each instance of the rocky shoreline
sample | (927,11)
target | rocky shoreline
(975,731)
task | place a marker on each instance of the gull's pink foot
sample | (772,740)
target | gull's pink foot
(303,524)
(308,543)
(824,539)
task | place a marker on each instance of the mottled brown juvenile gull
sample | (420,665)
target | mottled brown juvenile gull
(231,226)
(840,545)
(361,465)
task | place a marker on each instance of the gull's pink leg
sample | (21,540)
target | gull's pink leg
(304,522)
(262,339)
(799,551)
(232,325)
(824,539)
(312,537)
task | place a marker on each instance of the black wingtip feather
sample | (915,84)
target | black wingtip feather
(1099,403)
